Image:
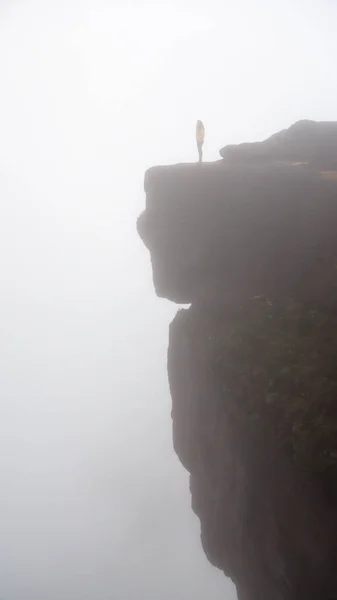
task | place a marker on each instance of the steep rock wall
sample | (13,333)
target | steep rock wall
(251,243)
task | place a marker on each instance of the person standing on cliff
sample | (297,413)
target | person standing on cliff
(200,136)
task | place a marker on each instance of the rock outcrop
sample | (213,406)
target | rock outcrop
(251,243)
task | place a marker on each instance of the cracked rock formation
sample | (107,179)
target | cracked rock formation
(250,242)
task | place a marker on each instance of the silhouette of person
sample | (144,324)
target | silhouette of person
(200,136)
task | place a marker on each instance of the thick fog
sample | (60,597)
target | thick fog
(94,503)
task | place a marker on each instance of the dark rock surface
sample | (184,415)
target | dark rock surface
(252,245)
(305,141)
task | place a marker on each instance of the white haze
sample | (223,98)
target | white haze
(94,504)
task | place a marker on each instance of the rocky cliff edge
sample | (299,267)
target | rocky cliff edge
(250,242)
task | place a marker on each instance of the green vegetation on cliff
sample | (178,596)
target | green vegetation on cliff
(277,361)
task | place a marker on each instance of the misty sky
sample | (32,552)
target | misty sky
(94,504)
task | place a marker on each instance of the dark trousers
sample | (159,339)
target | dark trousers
(199,144)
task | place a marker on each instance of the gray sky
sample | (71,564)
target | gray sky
(94,504)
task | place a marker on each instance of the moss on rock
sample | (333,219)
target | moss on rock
(278,362)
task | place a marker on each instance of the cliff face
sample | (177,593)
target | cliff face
(251,243)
